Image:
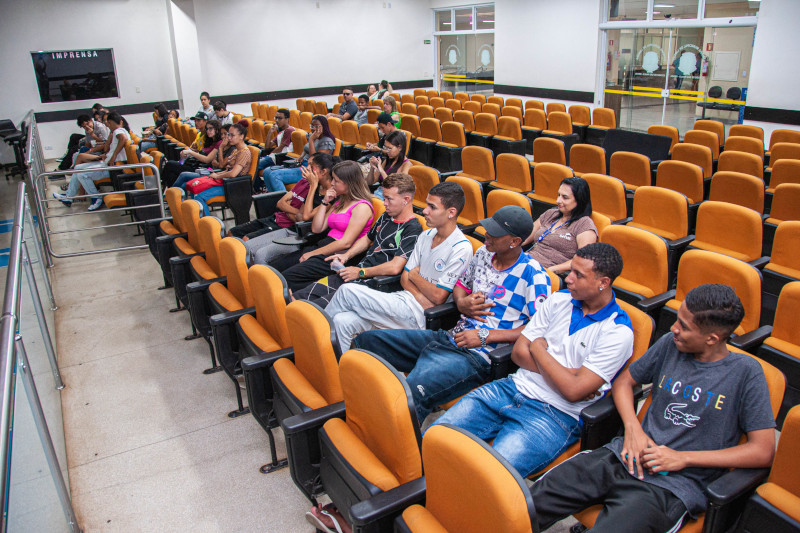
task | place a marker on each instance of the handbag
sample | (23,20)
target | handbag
(198,185)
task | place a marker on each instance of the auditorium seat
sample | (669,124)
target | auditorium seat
(608,197)
(508,138)
(513,174)
(453,104)
(696,155)
(498,198)
(485,129)
(512,111)
(462,97)
(443,114)
(552,107)
(430,133)
(745,130)
(436,102)
(420,100)
(632,168)
(666,131)
(731,230)
(474,210)
(705,138)
(548,150)
(409,108)
(738,188)
(783,136)
(481,99)
(784,171)
(547,179)
(425,111)
(468,487)
(237,192)
(603,119)
(712,126)
(494,109)
(685,178)
(477,163)
(410,123)
(472,106)
(446,95)
(780,151)
(447,152)
(587,158)
(534,104)
(741,162)
(745,144)
(785,206)
(645,263)
(535,121)
(424,178)
(466,118)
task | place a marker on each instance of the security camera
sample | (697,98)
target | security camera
(668,16)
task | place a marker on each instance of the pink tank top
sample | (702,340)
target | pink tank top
(337,222)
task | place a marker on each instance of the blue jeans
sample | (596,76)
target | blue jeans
(86,179)
(184,178)
(528,433)
(258,181)
(203,197)
(278,177)
(146,145)
(439,371)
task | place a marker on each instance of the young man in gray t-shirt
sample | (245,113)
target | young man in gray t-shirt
(703,399)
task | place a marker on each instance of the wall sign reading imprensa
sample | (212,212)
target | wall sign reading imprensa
(63,75)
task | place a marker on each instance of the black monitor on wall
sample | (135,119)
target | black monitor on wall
(64,75)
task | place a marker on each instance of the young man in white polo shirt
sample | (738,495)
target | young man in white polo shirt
(572,348)
(440,256)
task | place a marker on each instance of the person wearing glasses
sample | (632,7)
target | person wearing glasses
(279,141)
(238,163)
(348,109)
(320,140)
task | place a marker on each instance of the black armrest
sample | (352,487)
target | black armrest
(681,242)
(622,221)
(157,221)
(733,484)
(601,421)
(468,228)
(441,314)
(444,175)
(310,419)
(385,283)
(200,286)
(649,305)
(229,317)
(267,204)
(181,259)
(167,238)
(303,229)
(391,502)
(759,263)
(265,359)
(501,362)
(751,339)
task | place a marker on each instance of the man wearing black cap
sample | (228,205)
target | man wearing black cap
(386,125)
(499,291)
(200,120)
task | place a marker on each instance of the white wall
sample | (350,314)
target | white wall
(547,44)
(132,28)
(269,48)
(185,55)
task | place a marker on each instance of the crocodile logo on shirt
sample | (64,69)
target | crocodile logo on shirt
(680,418)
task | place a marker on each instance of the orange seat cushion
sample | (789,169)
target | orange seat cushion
(785,347)
(632,286)
(167,228)
(786,271)
(223,297)
(417,518)
(358,456)
(720,250)
(297,383)
(257,334)
(781,498)
(201,268)
(184,247)
(115,200)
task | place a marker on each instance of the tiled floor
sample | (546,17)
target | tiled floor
(150,446)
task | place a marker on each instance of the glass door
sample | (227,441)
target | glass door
(465,48)
(675,76)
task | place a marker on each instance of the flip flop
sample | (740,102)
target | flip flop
(312,519)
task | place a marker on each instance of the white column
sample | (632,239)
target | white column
(185,54)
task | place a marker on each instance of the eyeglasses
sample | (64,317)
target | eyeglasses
(231,134)
(348,94)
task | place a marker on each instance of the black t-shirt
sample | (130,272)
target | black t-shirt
(391,239)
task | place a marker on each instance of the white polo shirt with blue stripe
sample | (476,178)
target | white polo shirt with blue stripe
(601,341)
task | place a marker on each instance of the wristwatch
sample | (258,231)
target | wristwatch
(483,334)
(362,273)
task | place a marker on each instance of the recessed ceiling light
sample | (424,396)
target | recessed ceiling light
(664,5)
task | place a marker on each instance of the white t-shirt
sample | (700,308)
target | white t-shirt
(121,156)
(101,130)
(601,341)
(279,140)
(442,265)
(227,119)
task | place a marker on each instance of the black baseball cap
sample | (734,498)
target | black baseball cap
(200,116)
(509,220)
(386,118)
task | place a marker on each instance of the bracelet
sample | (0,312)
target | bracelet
(326,204)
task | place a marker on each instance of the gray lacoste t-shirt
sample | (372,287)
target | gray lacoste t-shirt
(698,406)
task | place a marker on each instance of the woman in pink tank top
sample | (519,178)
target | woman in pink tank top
(348,213)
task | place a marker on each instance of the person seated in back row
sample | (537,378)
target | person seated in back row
(501,288)
(572,348)
(439,257)
(320,139)
(560,231)
(348,108)
(388,244)
(704,398)
(222,114)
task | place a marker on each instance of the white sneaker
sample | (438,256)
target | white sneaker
(97,203)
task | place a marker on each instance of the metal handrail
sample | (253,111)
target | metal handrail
(39,188)
(13,360)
